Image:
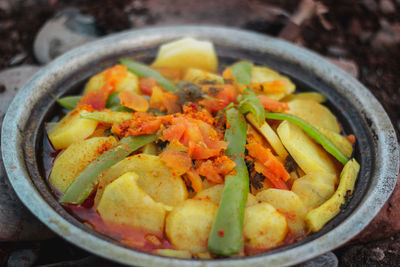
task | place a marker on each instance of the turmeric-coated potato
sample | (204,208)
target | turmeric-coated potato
(187,53)
(75,159)
(155,178)
(264,227)
(72,128)
(309,155)
(124,80)
(125,203)
(272,84)
(214,194)
(189,224)
(289,204)
(314,113)
(314,189)
(198,76)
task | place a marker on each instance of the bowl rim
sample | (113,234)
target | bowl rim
(386,149)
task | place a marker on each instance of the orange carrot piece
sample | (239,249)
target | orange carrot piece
(133,101)
(272,105)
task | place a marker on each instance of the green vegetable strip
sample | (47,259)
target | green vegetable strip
(147,72)
(69,102)
(226,237)
(251,103)
(83,184)
(114,103)
(241,71)
(313,133)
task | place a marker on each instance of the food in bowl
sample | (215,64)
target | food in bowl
(181,160)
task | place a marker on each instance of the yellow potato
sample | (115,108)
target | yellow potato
(214,194)
(314,113)
(72,128)
(108,116)
(313,189)
(155,178)
(196,76)
(187,53)
(314,96)
(318,217)
(75,159)
(289,204)
(310,156)
(264,227)
(129,83)
(270,135)
(264,75)
(125,203)
(340,141)
(189,224)
(173,253)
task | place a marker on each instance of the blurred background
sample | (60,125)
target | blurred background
(362,37)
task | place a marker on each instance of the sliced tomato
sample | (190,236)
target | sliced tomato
(275,181)
(146,85)
(217,101)
(195,181)
(206,169)
(97,99)
(133,101)
(116,74)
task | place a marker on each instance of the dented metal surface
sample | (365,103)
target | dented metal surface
(355,106)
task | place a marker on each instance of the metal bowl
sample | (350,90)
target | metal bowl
(357,109)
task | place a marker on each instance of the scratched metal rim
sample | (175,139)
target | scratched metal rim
(19,160)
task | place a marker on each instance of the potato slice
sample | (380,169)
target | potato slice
(214,194)
(314,96)
(125,203)
(72,128)
(75,159)
(339,141)
(128,83)
(314,189)
(310,156)
(289,204)
(196,76)
(264,227)
(265,76)
(108,116)
(314,113)
(189,224)
(155,178)
(187,53)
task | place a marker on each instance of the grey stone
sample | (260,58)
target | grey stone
(325,260)
(66,30)
(16,222)
(22,258)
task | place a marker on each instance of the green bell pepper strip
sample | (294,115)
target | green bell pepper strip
(313,133)
(69,102)
(144,71)
(251,103)
(226,236)
(84,183)
(241,71)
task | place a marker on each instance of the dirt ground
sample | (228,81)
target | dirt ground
(363,35)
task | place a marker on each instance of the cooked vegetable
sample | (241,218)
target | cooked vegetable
(125,203)
(189,224)
(229,219)
(241,72)
(183,254)
(83,184)
(289,204)
(313,133)
(144,71)
(152,171)
(76,158)
(69,102)
(314,113)
(251,104)
(187,53)
(314,96)
(202,77)
(214,194)
(318,217)
(270,135)
(72,128)
(264,227)
(110,117)
(340,141)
